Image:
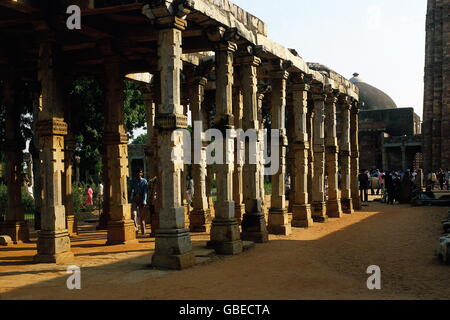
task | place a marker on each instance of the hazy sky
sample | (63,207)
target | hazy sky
(382,40)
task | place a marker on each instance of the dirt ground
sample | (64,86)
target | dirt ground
(327,261)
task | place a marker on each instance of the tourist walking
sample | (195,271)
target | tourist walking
(139,190)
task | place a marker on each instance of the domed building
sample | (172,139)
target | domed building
(389,137)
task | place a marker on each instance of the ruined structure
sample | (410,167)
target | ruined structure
(204,55)
(436,115)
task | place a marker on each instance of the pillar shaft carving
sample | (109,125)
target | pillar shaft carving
(345,148)
(225,236)
(318,196)
(302,217)
(354,142)
(53,242)
(173,242)
(254,226)
(334,207)
(278,215)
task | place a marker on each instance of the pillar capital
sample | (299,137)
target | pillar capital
(279,74)
(248,60)
(50,127)
(319,97)
(170,121)
(198,81)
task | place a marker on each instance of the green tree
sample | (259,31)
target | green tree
(142,139)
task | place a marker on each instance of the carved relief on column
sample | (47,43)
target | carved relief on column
(302,216)
(354,142)
(53,240)
(14,225)
(225,235)
(334,208)
(318,196)
(345,148)
(120,226)
(173,242)
(254,227)
(278,215)
(200,217)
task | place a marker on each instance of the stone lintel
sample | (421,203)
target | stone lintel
(171,22)
(250,60)
(300,87)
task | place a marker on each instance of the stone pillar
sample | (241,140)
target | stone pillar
(69,153)
(200,217)
(120,226)
(225,234)
(15,225)
(310,130)
(302,216)
(254,227)
(238,188)
(53,239)
(318,190)
(153,149)
(262,190)
(173,242)
(354,142)
(334,207)
(345,148)
(278,215)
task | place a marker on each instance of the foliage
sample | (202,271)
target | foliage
(134,108)
(142,139)
(267,188)
(27,201)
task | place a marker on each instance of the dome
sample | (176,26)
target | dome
(371,97)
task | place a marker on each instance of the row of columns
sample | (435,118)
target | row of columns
(240,190)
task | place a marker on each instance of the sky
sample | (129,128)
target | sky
(382,40)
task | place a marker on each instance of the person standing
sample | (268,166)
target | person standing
(90,196)
(139,190)
(363,179)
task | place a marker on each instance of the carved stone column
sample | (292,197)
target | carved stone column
(310,130)
(318,196)
(262,190)
(200,217)
(120,226)
(354,142)
(15,225)
(254,227)
(69,153)
(225,234)
(53,239)
(278,215)
(238,113)
(345,148)
(301,216)
(173,242)
(334,208)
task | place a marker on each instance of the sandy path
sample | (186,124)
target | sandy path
(328,261)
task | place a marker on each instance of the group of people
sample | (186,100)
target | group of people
(393,186)
(438,179)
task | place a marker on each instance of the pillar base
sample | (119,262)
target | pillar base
(279,222)
(173,250)
(72,226)
(53,247)
(16,230)
(121,232)
(200,221)
(334,209)
(301,216)
(347,206)
(356,203)
(319,213)
(225,237)
(254,228)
